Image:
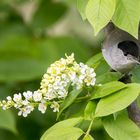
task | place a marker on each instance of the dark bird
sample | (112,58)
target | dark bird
(121,51)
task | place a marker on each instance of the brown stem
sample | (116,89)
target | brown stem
(134,113)
(133,109)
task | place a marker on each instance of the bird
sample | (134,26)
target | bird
(121,50)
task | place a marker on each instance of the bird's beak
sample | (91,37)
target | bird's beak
(136,60)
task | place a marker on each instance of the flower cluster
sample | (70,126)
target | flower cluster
(54,87)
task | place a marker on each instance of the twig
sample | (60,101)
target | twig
(133,109)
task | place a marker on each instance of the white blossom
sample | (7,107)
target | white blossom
(27,95)
(54,87)
(25,111)
(55,106)
(17,97)
(42,107)
(37,96)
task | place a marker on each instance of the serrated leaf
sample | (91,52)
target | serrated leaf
(52,133)
(122,128)
(106,89)
(90,110)
(69,100)
(99,13)
(7,121)
(127,16)
(81,5)
(118,101)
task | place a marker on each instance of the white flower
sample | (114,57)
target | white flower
(9,98)
(25,102)
(42,107)
(29,108)
(23,112)
(26,110)
(72,75)
(27,95)
(54,86)
(37,96)
(49,96)
(17,97)
(62,93)
(83,68)
(55,106)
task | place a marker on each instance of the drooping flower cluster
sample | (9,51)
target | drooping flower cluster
(54,87)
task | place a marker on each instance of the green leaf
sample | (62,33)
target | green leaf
(69,100)
(108,77)
(90,110)
(66,123)
(99,13)
(65,133)
(88,137)
(135,75)
(102,68)
(118,101)
(95,60)
(122,128)
(76,110)
(7,121)
(106,89)
(81,5)
(63,130)
(127,16)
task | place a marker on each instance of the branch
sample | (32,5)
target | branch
(133,109)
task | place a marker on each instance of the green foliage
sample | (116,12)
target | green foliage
(129,18)
(117,101)
(7,121)
(64,130)
(89,111)
(100,12)
(81,5)
(107,89)
(95,60)
(64,133)
(135,75)
(111,76)
(28,48)
(88,137)
(121,128)
(69,100)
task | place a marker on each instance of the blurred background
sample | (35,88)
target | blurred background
(33,34)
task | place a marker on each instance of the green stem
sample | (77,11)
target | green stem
(89,129)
